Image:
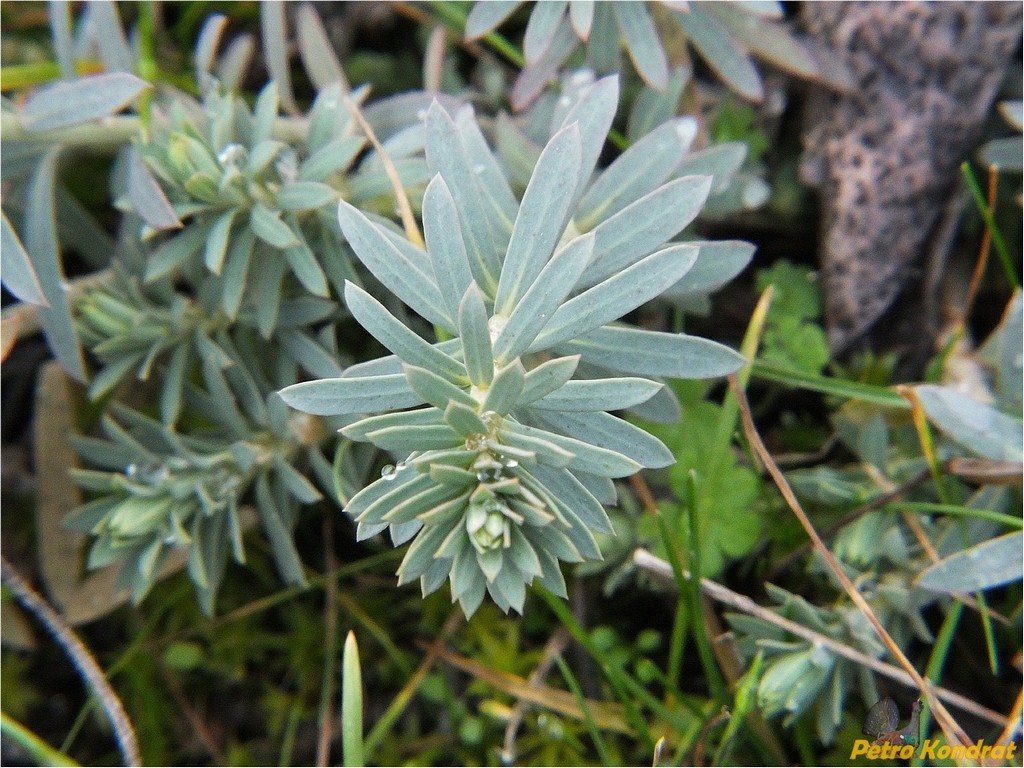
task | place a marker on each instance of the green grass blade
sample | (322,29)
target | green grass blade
(351,704)
(826,385)
(37,749)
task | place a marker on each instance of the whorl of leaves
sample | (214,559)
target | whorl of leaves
(506,442)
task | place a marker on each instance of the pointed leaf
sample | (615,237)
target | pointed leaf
(541,28)
(990,564)
(543,215)
(318,56)
(729,60)
(540,303)
(217,241)
(398,338)
(407,280)
(16,268)
(485,17)
(77,101)
(652,353)
(41,242)
(475,337)
(333,397)
(642,43)
(445,245)
(274,29)
(599,395)
(638,229)
(618,295)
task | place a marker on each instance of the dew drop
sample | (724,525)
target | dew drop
(479,168)
(476,442)
(388,472)
(564,101)
(231,154)
(131,470)
(488,475)
(511,464)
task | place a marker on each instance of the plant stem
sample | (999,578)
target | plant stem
(954,732)
(80,656)
(937,659)
(990,224)
(663,570)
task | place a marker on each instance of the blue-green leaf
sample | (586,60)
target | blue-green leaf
(506,388)
(547,378)
(306,268)
(445,245)
(642,43)
(618,295)
(978,427)
(274,29)
(585,457)
(77,101)
(16,268)
(334,156)
(270,229)
(285,555)
(217,241)
(475,337)
(543,215)
(464,420)
(239,256)
(146,196)
(540,303)
(434,389)
(407,280)
(318,56)
(398,338)
(115,51)
(612,433)
(484,17)
(541,28)
(599,394)
(638,229)
(990,564)
(333,397)
(581,15)
(652,353)
(721,52)
(447,155)
(63,39)
(720,161)
(717,263)
(636,172)
(41,242)
(303,195)
(298,486)
(204,53)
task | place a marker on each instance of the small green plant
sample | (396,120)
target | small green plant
(502,473)
(724,34)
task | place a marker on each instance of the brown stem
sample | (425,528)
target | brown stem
(954,733)
(663,571)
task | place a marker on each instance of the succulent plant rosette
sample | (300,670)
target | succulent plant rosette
(505,443)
